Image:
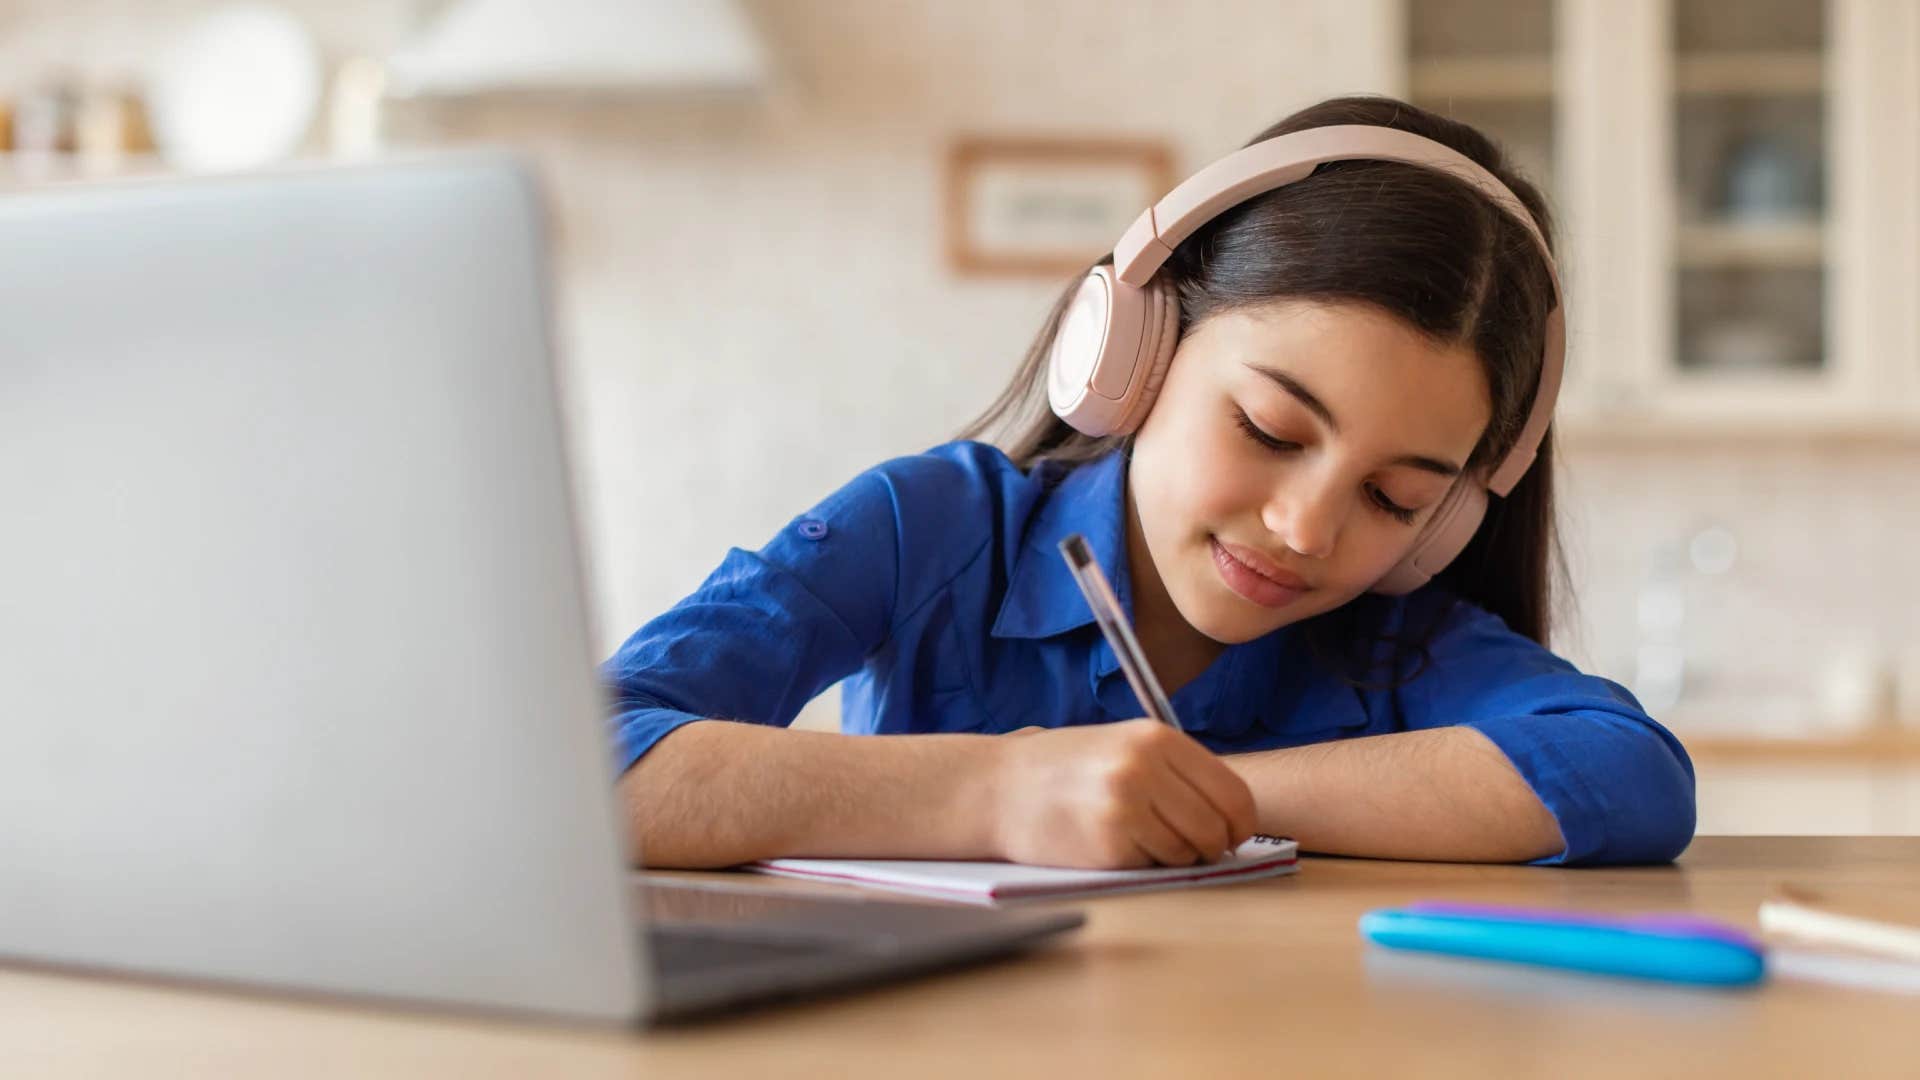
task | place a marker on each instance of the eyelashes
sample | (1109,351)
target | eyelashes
(1374,495)
(1253,432)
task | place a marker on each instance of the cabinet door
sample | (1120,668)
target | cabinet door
(1750,174)
(1489,63)
(1738,183)
(1733,183)
(1875,262)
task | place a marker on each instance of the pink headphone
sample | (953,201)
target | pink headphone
(1118,333)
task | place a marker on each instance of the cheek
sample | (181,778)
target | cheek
(1369,563)
(1205,481)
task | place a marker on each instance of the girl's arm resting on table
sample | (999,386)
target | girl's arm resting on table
(1446,794)
(769,630)
(1493,730)
(718,793)
(764,634)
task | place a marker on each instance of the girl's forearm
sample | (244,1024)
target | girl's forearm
(1446,794)
(719,793)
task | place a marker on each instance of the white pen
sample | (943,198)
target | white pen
(1113,623)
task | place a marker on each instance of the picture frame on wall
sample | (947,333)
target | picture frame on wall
(1027,206)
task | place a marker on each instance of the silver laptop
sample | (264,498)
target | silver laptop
(298,688)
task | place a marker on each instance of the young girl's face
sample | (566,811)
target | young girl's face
(1292,457)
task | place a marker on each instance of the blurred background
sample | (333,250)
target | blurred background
(797,237)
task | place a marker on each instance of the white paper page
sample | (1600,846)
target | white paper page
(991,882)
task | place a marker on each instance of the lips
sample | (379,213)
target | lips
(1262,565)
(1254,576)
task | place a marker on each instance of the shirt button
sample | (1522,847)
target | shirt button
(813,530)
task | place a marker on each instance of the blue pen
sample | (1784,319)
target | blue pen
(1671,948)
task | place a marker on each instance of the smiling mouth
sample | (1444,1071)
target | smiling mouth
(1249,583)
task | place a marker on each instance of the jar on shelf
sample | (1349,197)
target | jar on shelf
(110,126)
(44,119)
(1767,179)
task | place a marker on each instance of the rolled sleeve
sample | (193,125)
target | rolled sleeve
(767,631)
(753,643)
(1619,785)
(636,731)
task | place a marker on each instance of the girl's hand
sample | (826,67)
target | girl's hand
(1117,795)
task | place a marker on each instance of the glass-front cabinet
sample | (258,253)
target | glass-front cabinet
(1749,109)
(1488,63)
(1738,190)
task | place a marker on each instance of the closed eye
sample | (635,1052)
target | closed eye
(1253,432)
(1379,498)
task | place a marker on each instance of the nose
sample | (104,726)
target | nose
(1307,516)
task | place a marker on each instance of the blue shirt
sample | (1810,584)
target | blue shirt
(932,584)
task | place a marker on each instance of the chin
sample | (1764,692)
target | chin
(1232,620)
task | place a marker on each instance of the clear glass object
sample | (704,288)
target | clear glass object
(1750,145)
(1489,63)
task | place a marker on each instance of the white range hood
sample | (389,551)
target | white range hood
(581,46)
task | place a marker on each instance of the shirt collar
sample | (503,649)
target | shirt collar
(1042,599)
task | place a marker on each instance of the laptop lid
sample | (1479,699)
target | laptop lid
(298,688)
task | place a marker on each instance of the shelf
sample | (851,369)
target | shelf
(1523,78)
(1483,78)
(1882,747)
(1649,431)
(1791,244)
(30,169)
(1756,73)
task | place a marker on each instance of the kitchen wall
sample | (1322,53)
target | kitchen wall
(755,308)
(757,296)
(1819,599)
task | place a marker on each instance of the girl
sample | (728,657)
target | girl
(1341,366)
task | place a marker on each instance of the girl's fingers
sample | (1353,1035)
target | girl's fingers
(1197,820)
(1162,842)
(1215,781)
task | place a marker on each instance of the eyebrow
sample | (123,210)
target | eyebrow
(1314,405)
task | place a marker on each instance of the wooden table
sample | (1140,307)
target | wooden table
(1266,978)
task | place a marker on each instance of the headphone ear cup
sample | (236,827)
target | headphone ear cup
(1445,537)
(1109,353)
(1161,338)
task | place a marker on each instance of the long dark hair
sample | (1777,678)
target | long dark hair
(1419,245)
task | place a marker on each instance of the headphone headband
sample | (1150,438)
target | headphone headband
(1279,161)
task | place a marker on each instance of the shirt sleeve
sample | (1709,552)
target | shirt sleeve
(768,630)
(1619,784)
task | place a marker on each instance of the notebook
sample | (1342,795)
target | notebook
(1001,882)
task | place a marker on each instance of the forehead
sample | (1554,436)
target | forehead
(1382,379)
